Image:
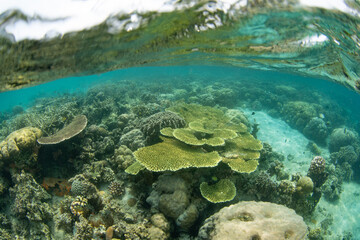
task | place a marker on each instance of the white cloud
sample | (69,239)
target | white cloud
(64,16)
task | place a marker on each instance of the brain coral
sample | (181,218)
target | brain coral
(19,145)
(254,220)
(152,125)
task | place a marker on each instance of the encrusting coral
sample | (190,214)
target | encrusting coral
(74,128)
(254,220)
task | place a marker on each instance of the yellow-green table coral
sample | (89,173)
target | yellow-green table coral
(173,155)
(222,191)
(194,138)
(195,112)
(240,165)
(208,126)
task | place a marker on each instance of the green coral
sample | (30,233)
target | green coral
(222,191)
(182,146)
(167,132)
(194,138)
(196,112)
(241,153)
(134,168)
(240,165)
(206,119)
(174,155)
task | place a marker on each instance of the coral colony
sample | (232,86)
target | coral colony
(156,166)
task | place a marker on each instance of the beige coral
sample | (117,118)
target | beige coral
(22,140)
(254,220)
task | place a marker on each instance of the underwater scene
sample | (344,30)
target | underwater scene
(187,120)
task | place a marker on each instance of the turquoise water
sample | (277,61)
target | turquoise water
(254,104)
(262,95)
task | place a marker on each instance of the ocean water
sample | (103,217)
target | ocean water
(285,73)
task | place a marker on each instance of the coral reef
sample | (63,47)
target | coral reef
(122,159)
(133,139)
(254,220)
(30,205)
(171,197)
(148,167)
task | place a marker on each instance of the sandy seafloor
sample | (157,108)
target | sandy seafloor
(288,141)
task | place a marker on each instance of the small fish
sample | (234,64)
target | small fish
(253,113)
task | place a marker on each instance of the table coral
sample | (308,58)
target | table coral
(174,155)
(222,191)
(77,125)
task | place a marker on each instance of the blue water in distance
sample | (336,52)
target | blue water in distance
(346,98)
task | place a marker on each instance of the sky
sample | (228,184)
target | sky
(73,15)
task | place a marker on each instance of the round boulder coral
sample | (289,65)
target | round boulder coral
(20,147)
(254,220)
(304,186)
(19,140)
(341,137)
(316,130)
